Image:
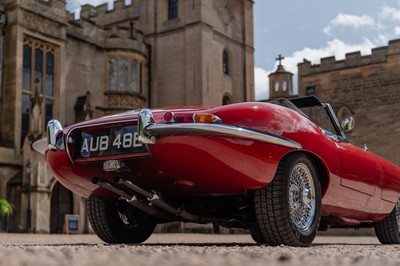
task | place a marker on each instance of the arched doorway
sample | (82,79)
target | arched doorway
(14,191)
(61,204)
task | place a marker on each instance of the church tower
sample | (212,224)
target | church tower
(201,51)
(280,82)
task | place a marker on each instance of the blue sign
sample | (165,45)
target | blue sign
(72,223)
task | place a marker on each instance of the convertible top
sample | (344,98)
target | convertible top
(297,103)
(306,101)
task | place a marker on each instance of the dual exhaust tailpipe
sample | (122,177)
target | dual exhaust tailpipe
(151,203)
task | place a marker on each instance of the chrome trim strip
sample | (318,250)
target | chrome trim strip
(161,130)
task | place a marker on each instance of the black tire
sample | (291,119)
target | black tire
(107,222)
(275,225)
(388,230)
(256,235)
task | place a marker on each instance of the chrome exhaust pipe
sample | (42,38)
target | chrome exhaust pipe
(166,211)
(108,186)
(155,199)
(132,186)
(132,200)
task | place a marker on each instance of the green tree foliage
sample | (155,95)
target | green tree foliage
(6,209)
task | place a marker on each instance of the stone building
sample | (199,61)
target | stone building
(148,53)
(365,87)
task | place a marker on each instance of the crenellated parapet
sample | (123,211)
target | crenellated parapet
(88,11)
(111,29)
(103,16)
(126,38)
(354,59)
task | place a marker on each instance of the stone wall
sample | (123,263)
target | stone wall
(186,52)
(367,87)
(179,63)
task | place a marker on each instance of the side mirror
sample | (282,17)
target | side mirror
(348,124)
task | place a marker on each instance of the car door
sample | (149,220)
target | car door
(361,170)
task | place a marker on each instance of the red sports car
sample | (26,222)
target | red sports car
(265,167)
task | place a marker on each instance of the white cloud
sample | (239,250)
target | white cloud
(396,30)
(351,21)
(262,83)
(391,13)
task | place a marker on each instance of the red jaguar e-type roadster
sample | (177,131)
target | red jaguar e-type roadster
(265,167)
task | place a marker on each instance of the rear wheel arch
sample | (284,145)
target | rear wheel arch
(320,167)
(287,211)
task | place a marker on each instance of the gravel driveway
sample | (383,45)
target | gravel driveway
(191,249)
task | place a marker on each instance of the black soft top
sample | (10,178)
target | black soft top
(297,103)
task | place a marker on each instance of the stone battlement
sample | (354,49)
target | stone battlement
(101,13)
(354,59)
(103,27)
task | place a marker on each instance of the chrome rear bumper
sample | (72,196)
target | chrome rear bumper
(149,131)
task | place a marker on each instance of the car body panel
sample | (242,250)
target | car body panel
(361,170)
(357,185)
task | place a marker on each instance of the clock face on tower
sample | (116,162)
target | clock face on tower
(276,85)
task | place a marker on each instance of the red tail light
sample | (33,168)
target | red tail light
(169,117)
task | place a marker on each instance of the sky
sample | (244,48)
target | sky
(310,29)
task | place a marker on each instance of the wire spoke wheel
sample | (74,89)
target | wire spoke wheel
(287,211)
(302,197)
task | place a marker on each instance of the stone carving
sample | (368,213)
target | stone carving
(125,100)
(83,108)
(226,15)
(37,23)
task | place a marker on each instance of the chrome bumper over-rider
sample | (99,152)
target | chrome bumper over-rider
(51,143)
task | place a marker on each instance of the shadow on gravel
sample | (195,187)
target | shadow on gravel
(83,245)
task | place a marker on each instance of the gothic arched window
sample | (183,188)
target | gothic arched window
(124,74)
(134,76)
(112,74)
(225,62)
(38,73)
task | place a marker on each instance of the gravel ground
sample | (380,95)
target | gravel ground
(191,249)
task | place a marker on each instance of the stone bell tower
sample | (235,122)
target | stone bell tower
(280,82)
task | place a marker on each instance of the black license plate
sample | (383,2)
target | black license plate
(111,141)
